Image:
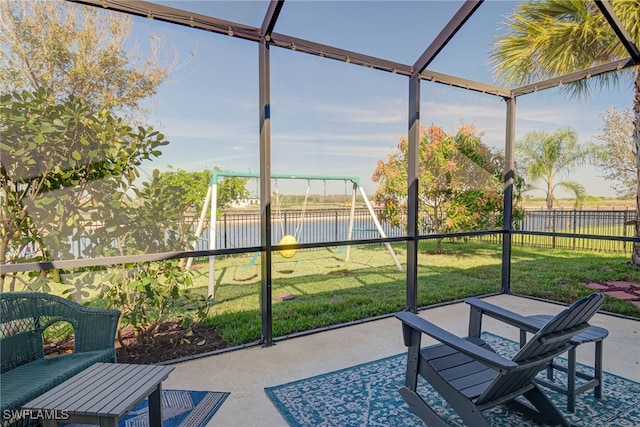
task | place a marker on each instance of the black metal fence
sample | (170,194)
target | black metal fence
(613,223)
(242,230)
(237,230)
(576,223)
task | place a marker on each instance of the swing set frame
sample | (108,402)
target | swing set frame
(211,203)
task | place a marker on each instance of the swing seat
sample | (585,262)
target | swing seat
(251,262)
(287,240)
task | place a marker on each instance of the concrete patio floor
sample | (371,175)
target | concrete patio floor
(245,373)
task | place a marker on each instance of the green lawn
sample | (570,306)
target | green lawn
(329,291)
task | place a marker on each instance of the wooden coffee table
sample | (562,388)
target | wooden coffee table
(103,394)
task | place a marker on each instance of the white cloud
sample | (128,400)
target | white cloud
(211,129)
(337,150)
(324,138)
(461,112)
(367,110)
(380,111)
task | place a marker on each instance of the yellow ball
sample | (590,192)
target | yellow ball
(287,240)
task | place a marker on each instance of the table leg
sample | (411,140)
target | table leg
(598,370)
(571,380)
(550,371)
(155,407)
(108,422)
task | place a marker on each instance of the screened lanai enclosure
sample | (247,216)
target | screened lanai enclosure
(424,103)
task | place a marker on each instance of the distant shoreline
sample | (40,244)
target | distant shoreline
(589,203)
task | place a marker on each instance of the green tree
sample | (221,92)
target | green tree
(175,198)
(72,146)
(68,175)
(64,164)
(549,157)
(148,219)
(148,294)
(548,38)
(71,93)
(76,50)
(459,183)
(191,188)
(617,158)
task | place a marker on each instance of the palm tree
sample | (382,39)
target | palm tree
(549,38)
(546,157)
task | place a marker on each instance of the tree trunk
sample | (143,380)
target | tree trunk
(4,248)
(549,193)
(635,255)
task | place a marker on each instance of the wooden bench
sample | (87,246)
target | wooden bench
(25,372)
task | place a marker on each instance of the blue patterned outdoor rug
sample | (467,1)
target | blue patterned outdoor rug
(367,395)
(180,408)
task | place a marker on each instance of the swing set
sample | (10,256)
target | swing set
(211,203)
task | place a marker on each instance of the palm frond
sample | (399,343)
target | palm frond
(550,38)
(578,190)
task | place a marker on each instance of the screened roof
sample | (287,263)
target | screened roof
(394,36)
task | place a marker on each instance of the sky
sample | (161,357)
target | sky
(337,118)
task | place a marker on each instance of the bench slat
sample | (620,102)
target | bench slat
(103,390)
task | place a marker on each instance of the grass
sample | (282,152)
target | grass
(329,291)
(560,275)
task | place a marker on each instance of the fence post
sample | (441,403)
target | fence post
(553,228)
(575,217)
(335,212)
(224,222)
(625,218)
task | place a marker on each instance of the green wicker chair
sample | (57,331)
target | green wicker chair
(25,372)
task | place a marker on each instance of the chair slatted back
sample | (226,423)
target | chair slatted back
(549,342)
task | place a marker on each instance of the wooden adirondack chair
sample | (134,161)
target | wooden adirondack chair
(471,377)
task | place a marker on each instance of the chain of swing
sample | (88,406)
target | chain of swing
(290,239)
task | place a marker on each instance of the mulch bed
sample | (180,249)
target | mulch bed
(172,342)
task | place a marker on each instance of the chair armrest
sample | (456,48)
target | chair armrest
(481,354)
(506,316)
